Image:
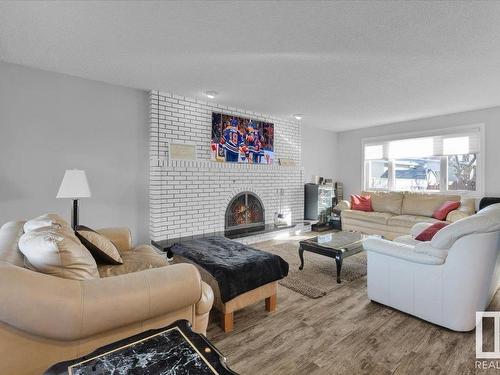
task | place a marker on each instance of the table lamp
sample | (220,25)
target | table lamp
(74,185)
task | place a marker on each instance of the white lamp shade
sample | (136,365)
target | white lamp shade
(74,185)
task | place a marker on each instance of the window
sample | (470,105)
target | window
(462,172)
(377,173)
(433,163)
(413,174)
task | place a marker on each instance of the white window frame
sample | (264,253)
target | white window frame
(480,177)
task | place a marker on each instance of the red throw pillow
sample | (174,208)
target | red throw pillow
(428,233)
(445,209)
(361,203)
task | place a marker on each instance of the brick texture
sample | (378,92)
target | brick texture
(190,197)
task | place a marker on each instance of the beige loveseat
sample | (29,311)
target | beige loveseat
(394,213)
(46,319)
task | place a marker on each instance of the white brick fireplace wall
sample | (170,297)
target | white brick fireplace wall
(190,197)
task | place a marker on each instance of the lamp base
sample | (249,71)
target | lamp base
(74,214)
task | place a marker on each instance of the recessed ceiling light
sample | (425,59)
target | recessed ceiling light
(210,94)
(298,116)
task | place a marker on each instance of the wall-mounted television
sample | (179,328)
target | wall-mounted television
(241,140)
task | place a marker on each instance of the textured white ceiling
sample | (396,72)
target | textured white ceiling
(344,65)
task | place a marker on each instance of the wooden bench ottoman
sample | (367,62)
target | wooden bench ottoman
(227,307)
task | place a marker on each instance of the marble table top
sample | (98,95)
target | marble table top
(174,350)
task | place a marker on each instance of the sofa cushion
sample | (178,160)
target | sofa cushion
(360,225)
(421,204)
(58,252)
(46,220)
(141,258)
(385,201)
(409,221)
(372,217)
(99,246)
(10,233)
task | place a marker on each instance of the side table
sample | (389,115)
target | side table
(175,349)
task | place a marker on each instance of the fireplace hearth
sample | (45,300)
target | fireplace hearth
(244,214)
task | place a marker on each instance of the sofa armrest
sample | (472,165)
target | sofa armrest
(206,301)
(121,237)
(400,251)
(72,309)
(468,205)
(343,205)
(456,215)
(467,208)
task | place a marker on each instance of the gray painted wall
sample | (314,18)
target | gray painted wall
(349,145)
(318,153)
(51,122)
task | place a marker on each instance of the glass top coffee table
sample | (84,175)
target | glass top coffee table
(337,245)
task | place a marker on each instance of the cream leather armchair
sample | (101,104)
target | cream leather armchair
(444,281)
(46,319)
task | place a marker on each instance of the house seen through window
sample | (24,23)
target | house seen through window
(438,163)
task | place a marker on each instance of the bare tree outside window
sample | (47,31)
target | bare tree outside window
(462,172)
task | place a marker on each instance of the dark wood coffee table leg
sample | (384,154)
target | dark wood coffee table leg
(338,260)
(301,256)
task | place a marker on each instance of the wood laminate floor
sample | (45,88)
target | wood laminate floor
(342,333)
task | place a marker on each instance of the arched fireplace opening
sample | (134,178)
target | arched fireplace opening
(244,214)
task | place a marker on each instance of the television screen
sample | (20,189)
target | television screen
(242,140)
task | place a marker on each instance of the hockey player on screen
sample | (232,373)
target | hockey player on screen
(254,141)
(232,140)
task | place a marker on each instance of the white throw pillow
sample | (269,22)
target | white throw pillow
(46,220)
(56,251)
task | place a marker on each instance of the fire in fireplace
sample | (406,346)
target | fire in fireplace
(245,213)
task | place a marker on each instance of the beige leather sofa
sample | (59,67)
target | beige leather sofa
(394,213)
(46,319)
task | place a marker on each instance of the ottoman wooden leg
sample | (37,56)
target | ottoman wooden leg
(271,303)
(226,322)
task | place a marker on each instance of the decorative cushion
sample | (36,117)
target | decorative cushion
(429,232)
(57,252)
(99,246)
(46,220)
(445,209)
(361,203)
(419,228)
